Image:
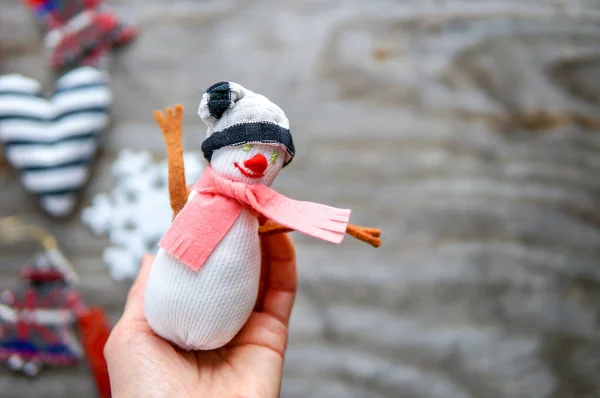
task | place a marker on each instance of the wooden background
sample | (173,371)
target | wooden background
(467,130)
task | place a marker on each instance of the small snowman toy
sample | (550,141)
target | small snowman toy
(204,281)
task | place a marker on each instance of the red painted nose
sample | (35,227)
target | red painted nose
(258,164)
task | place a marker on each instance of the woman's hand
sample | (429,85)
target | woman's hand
(141,364)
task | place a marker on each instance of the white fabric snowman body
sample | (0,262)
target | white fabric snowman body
(205,309)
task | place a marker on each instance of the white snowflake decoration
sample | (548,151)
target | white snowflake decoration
(137,213)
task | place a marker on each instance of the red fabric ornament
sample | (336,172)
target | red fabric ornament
(37,323)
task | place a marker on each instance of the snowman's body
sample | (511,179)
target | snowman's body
(205,309)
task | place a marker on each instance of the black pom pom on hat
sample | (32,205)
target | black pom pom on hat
(219,99)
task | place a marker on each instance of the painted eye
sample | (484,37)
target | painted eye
(247,147)
(274,157)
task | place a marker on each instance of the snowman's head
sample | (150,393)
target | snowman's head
(248,137)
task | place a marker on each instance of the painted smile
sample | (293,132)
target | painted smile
(247,173)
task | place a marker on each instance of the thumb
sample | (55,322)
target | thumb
(134,306)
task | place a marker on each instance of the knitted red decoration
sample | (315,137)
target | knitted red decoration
(37,323)
(79,32)
(36,320)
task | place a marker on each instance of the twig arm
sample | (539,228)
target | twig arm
(170,125)
(364,234)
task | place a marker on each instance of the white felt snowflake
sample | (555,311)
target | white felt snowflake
(137,213)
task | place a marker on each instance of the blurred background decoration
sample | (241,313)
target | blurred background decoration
(136,213)
(44,323)
(466,130)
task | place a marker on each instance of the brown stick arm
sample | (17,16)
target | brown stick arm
(364,234)
(170,125)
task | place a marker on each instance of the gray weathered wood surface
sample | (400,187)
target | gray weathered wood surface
(466,130)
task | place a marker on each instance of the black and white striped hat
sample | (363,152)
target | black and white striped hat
(237,116)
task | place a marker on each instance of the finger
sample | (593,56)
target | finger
(169,114)
(134,306)
(282,281)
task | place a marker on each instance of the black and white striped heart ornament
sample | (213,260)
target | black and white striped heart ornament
(52,142)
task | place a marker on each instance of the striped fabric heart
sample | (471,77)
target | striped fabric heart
(52,142)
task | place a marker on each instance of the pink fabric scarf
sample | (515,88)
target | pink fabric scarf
(208,216)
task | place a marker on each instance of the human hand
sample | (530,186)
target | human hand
(141,364)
